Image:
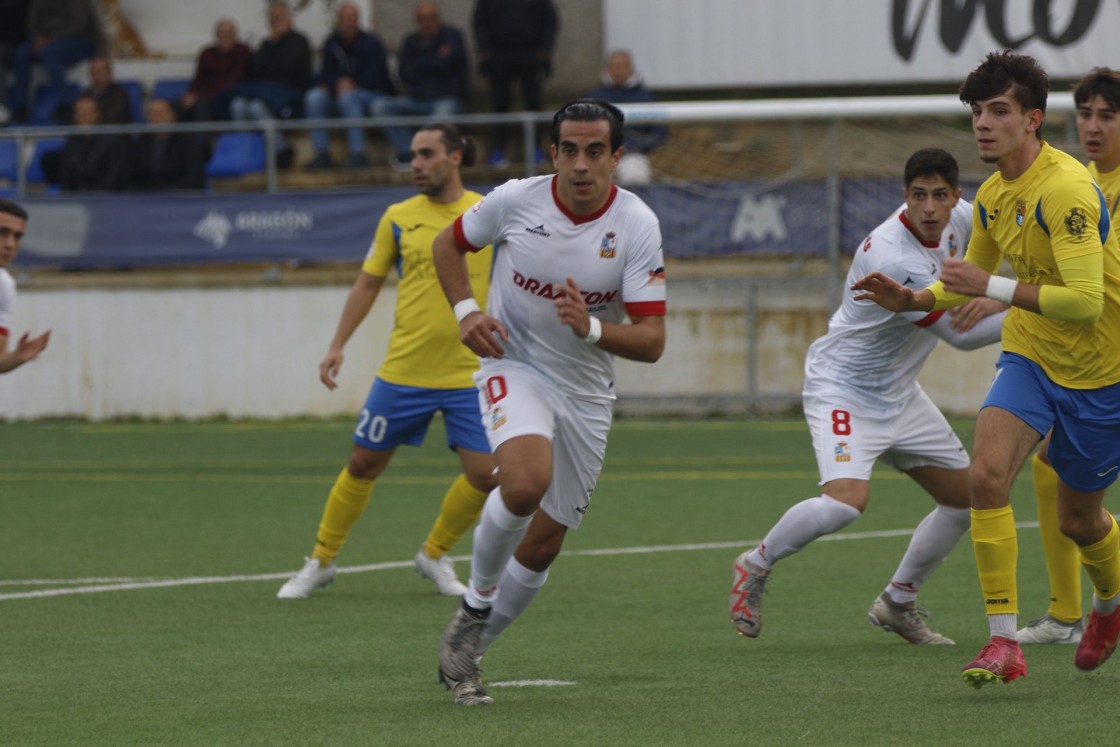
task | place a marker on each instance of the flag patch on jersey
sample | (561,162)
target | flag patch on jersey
(609,246)
(657,277)
(842,452)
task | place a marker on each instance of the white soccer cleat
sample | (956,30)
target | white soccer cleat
(1051,630)
(442,572)
(311,577)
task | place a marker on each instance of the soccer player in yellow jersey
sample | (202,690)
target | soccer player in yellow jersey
(426,369)
(1060,366)
(1097,97)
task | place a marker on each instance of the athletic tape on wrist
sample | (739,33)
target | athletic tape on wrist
(594,331)
(1001,289)
(465,307)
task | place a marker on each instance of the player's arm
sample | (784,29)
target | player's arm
(984,332)
(476,330)
(358,303)
(643,339)
(27,349)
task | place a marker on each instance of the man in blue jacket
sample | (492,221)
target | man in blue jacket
(433,69)
(354,75)
(622,84)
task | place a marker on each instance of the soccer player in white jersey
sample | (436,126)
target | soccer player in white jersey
(863,402)
(574,255)
(13,225)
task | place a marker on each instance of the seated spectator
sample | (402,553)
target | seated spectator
(167,160)
(113,101)
(623,85)
(61,33)
(354,75)
(91,162)
(13,32)
(279,72)
(432,64)
(220,66)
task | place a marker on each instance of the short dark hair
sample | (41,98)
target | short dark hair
(1000,71)
(1101,81)
(453,139)
(933,162)
(11,208)
(590,110)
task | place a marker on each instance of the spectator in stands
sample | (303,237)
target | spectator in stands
(13,32)
(279,72)
(432,63)
(92,162)
(113,101)
(167,160)
(354,75)
(220,66)
(61,33)
(622,84)
(514,42)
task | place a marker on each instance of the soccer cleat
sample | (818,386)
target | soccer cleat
(311,577)
(440,570)
(466,693)
(999,661)
(906,620)
(1051,630)
(748,581)
(459,647)
(1099,640)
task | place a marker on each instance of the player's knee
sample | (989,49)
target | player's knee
(366,464)
(988,486)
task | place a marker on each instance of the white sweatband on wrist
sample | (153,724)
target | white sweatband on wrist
(594,330)
(465,307)
(1001,289)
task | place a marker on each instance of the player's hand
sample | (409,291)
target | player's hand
(329,367)
(28,347)
(963,277)
(885,291)
(964,318)
(482,333)
(572,309)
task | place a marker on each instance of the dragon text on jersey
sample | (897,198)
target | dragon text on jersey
(550,290)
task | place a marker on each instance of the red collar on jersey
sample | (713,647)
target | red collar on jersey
(577,219)
(906,222)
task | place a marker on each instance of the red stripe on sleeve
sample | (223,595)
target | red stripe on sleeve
(4,331)
(646,308)
(461,238)
(930,318)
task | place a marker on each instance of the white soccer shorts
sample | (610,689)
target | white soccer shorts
(848,439)
(517,401)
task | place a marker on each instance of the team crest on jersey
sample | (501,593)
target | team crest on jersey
(842,452)
(609,247)
(954,245)
(1020,212)
(497,418)
(1076,221)
(867,244)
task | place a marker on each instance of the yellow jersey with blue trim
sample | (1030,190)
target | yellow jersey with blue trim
(424,347)
(1052,226)
(1109,182)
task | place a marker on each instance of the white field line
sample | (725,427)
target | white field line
(99,585)
(531,683)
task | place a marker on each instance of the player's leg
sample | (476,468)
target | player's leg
(1086,456)
(462,504)
(847,444)
(1062,622)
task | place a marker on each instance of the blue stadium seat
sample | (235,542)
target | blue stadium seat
(171,89)
(236,154)
(35,168)
(44,103)
(136,96)
(9,169)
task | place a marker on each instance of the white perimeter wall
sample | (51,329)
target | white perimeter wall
(254,352)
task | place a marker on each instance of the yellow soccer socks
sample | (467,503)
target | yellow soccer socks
(1063,565)
(996,546)
(1102,562)
(347,500)
(461,507)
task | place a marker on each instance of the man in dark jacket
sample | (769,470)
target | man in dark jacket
(167,160)
(220,66)
(13,32)
(279,72)
(622,84)
(61,33)
(354,75)
(91,162)
(113,101)
(433,69)
(515,39)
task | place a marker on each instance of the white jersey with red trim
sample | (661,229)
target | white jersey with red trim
(873,355)
(614,256)
(7,302)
